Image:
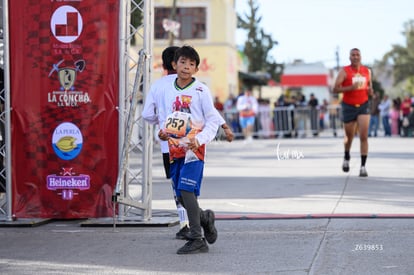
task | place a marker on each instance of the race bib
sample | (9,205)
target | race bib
(178,124)
(359,80)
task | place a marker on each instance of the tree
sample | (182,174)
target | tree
(401,57)
(258,44)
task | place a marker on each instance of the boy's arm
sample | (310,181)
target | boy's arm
(227,130)
(149,113)
(211,121)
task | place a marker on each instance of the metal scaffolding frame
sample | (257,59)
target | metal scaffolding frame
(132,197)
(5,148)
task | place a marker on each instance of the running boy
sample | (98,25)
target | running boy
(187,112)
(150,112)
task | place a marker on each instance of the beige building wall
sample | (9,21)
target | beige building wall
(218,53)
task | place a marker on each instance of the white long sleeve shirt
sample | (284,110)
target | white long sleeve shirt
(165,97)
(247,105)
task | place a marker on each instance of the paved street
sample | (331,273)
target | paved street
(283,206)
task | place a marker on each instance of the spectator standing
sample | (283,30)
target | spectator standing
(323,114)
(395,115)
(398,107)
(405,111)
(247,106)
(384,108)
(374,111)
(301,111)
(313,104)
(410,120)
(231,114)
(264,118)
(333,113)
(291,106)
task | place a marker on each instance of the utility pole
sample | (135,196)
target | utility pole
(337,58)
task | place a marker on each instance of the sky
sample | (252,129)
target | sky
(314,30)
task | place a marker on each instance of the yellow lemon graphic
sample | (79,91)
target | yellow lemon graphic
(66,144)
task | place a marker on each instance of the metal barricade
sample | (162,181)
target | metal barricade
(291,121)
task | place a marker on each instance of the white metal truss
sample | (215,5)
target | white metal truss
(133,192)
(132,197)
(5,145)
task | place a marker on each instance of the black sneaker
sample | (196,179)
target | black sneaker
(194,246)
(183,234)
(207,222)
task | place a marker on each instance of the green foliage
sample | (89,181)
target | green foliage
(401,57)
(258,44)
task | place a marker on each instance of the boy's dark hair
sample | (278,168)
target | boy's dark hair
(168,57)
(188,52)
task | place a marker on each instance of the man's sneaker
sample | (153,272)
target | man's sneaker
(183,234)
(345,166)
(194,246)
(207,222)
(363,172)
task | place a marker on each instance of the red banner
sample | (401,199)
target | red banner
(64,92)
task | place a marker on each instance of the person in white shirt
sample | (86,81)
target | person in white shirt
(188,120)
(150,111)
(384,108)
(247,106)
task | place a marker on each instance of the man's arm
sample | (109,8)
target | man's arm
(338,82)
(338,88)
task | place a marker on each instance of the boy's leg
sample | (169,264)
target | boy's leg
(188,190)
(193,213)
(174,173)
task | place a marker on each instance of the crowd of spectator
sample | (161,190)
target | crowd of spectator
(290,116)
(397,116)
(296,116)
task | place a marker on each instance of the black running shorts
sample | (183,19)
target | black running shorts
(351,112)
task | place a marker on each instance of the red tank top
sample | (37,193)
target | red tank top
(358,96)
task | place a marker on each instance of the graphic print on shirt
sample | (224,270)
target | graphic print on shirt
(180,127)
(178,123)
(360,80)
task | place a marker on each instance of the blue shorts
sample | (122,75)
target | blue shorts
(186,176)
(245,121)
